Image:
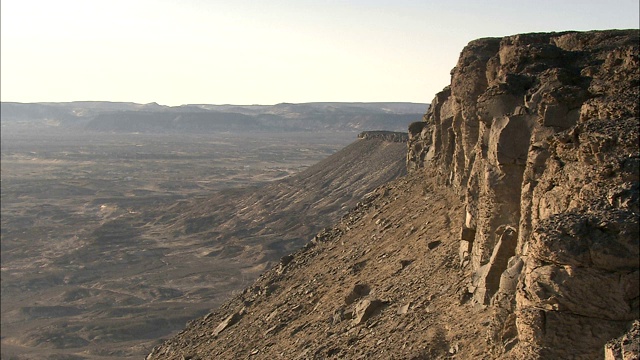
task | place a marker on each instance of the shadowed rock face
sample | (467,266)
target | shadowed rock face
(540,134)
(514,236)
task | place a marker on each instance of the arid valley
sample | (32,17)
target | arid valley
(313,180)
(115,237)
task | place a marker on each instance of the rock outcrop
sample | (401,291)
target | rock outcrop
(626,347)
(539,132)
(515,234)
(392,136)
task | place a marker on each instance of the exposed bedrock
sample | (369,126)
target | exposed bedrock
(539,134)
(391,136)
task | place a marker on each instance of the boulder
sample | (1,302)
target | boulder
(365,309)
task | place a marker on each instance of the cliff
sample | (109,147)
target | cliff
(539,132)
(514,236)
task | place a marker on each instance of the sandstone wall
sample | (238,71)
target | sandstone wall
(539,133)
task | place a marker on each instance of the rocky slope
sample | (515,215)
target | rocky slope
(257,225)
(515,235)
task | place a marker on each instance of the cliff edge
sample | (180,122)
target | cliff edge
(514,235)
(539,132)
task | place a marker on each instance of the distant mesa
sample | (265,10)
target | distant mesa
(205,118)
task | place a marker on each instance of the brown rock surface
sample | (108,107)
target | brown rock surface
(515,236)
(540,132)
(626,347)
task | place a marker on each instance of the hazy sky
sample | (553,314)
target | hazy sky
(262,52)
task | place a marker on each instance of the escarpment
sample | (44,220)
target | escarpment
(391,136)
(539,132)
(513,236)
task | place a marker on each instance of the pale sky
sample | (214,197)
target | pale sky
(262,52)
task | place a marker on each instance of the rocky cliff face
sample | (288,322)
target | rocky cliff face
(514,236)
(539,132)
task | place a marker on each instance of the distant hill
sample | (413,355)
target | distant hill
(198,118)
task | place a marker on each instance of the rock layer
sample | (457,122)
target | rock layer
(539,132)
